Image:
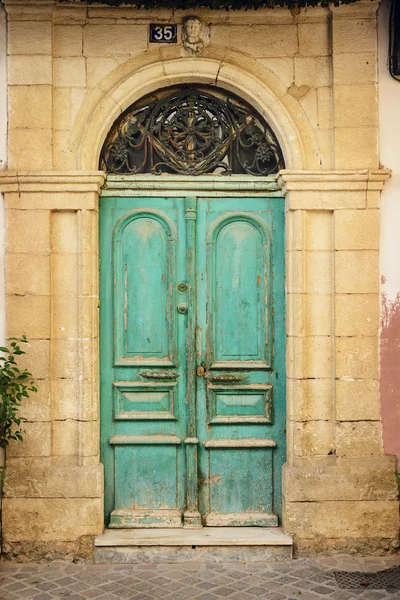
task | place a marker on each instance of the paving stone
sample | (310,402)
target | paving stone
(224,591)
(221,580)
(240,585)
(256,591)
(303,579)
(322,590)
(274,596)
(14,587)
(341,595)
(207,585)
(27,593)
(7,595)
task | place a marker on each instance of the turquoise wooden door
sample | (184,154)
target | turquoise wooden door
(192,360)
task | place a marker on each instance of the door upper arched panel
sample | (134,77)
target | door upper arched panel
(191,130)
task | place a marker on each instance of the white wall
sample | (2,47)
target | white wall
(389,116)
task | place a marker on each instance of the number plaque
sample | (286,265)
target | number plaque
(163,34)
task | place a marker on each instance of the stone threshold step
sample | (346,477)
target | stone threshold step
(212,544)
(205,536)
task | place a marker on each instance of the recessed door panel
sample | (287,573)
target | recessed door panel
(144,269)
(240,485)
(237,281)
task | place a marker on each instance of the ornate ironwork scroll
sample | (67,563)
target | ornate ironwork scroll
(191,131)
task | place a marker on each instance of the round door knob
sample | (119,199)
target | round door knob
(182,308)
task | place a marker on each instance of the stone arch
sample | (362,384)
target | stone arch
(232,71)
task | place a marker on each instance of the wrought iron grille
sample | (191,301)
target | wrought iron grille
(388,579)
(191,131)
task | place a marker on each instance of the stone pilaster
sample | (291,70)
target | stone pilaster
(54,490)
(339,489)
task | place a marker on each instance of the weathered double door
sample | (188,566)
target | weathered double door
(192,360)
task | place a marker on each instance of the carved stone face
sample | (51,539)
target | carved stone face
(193,30)
(192,35)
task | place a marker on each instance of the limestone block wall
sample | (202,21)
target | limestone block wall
(339,489)
(323,61)
(72,70)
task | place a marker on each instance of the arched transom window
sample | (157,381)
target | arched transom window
(191,130)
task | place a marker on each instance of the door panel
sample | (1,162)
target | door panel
(240,398)
(238,258)
(144,288)
(143,373)
(195,284)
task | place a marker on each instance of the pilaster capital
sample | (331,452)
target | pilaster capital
(52,190)
(330,190)
(51,181)
(24,10)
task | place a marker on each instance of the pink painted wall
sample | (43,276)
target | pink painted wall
(389,103)
(390,375)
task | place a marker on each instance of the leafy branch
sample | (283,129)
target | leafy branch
(15,385)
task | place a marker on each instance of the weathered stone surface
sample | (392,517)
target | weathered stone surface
(348,98)
(51,519)
(313,39)
(20,310)
(313,438)
(357,400)
(52,482)
(360,67)
(356,314)
(360,480)
(114,40)
(30,70)
(38,33)
(218,554)
(22,228)
(310,399)
(70,72)
(359,438)
(343,519)
(30,106)
(30,149)
(354,35)
(68,40)
(357,146)
(357,357)
(356,272)
(36,441)
(356,229)
(28,274)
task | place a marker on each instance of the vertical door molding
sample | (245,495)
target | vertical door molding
(191,517)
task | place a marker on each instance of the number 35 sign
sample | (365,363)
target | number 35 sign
(163,34)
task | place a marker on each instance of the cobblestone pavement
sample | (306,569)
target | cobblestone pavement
(301,579)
